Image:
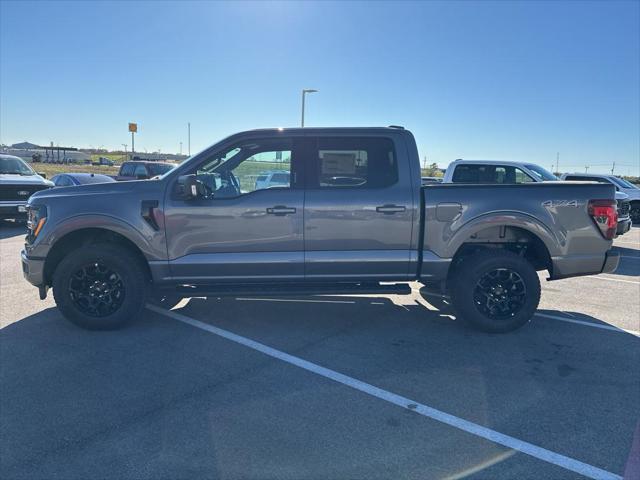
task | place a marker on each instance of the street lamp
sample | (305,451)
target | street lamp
(304,92)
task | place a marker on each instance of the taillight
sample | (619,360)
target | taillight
(605,216)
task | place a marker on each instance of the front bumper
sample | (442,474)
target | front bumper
(13,209)
(32,269)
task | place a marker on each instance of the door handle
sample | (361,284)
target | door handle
(390,209)
(280,210)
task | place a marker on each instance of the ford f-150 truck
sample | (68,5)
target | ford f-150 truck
(353,219)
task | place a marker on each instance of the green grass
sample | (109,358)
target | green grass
(51,169)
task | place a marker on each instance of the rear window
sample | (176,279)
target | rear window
(356,162)
(158,169)
(127,170)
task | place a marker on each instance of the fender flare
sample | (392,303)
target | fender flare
(505,219)
(101,222)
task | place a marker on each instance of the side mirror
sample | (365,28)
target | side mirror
(188,187)
(42,174)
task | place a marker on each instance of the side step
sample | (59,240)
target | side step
(293,289)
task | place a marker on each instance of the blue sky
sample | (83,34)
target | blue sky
(508,80)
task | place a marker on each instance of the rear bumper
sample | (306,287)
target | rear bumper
(611,261)
(32,269)
(578,265)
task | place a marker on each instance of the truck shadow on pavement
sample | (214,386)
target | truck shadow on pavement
(11,229)
(161,399)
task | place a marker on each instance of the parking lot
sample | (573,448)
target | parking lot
(323,387)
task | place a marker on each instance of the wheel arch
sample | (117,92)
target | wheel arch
(83,238)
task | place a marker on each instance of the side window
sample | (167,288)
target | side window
(247,167)
(355,162)
(522,177)
(127,170)
(62,181)
(141,171)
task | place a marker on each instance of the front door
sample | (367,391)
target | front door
(248,224)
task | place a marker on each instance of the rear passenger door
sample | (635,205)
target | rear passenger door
(358,210)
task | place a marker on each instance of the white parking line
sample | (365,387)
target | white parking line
(589,324)
(473,428)
(602,277)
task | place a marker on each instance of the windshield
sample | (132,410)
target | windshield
(541,173)
(15,166)
(621,182)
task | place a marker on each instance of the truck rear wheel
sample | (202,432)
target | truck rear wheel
(100,287)
(495,291)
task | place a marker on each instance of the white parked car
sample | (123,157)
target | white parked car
(273,178)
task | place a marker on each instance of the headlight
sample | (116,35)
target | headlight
(37,217)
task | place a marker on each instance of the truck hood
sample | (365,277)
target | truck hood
(634,194)
(620,196)
(111,188)
(13,179)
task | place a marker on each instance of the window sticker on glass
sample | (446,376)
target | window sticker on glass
(334,163)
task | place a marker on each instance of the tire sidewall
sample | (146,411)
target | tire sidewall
(472,269)
(119,260)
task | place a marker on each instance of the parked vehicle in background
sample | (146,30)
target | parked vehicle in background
(621,185)
(507,172)
(273,178)
(195,232)
(141,170)
(71,179)
(495,171)
(426,180)
(105,161)
(18,181)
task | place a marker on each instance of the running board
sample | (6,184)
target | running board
(288,289)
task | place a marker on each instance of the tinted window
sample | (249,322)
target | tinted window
(489,174)
(355,162)
(140,171)
(62,181)
(159,168)
(127,170)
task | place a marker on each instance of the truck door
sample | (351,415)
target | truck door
(359,209)
(241,229)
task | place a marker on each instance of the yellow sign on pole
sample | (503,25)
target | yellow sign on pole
(133,127)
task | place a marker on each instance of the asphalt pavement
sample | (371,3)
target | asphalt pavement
(322,387)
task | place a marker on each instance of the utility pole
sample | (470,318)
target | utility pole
(180,148)
(304,92)
(189,138)
(586,168)
(557,163)
(613,167)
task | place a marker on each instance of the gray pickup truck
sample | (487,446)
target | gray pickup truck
(353,219)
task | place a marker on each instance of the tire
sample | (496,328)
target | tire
(80,292)
(495,291)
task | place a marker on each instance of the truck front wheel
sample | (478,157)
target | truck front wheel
(496,291)
(100,286)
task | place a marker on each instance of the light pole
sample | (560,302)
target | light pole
(180,148)
(189,138)
(304,92)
